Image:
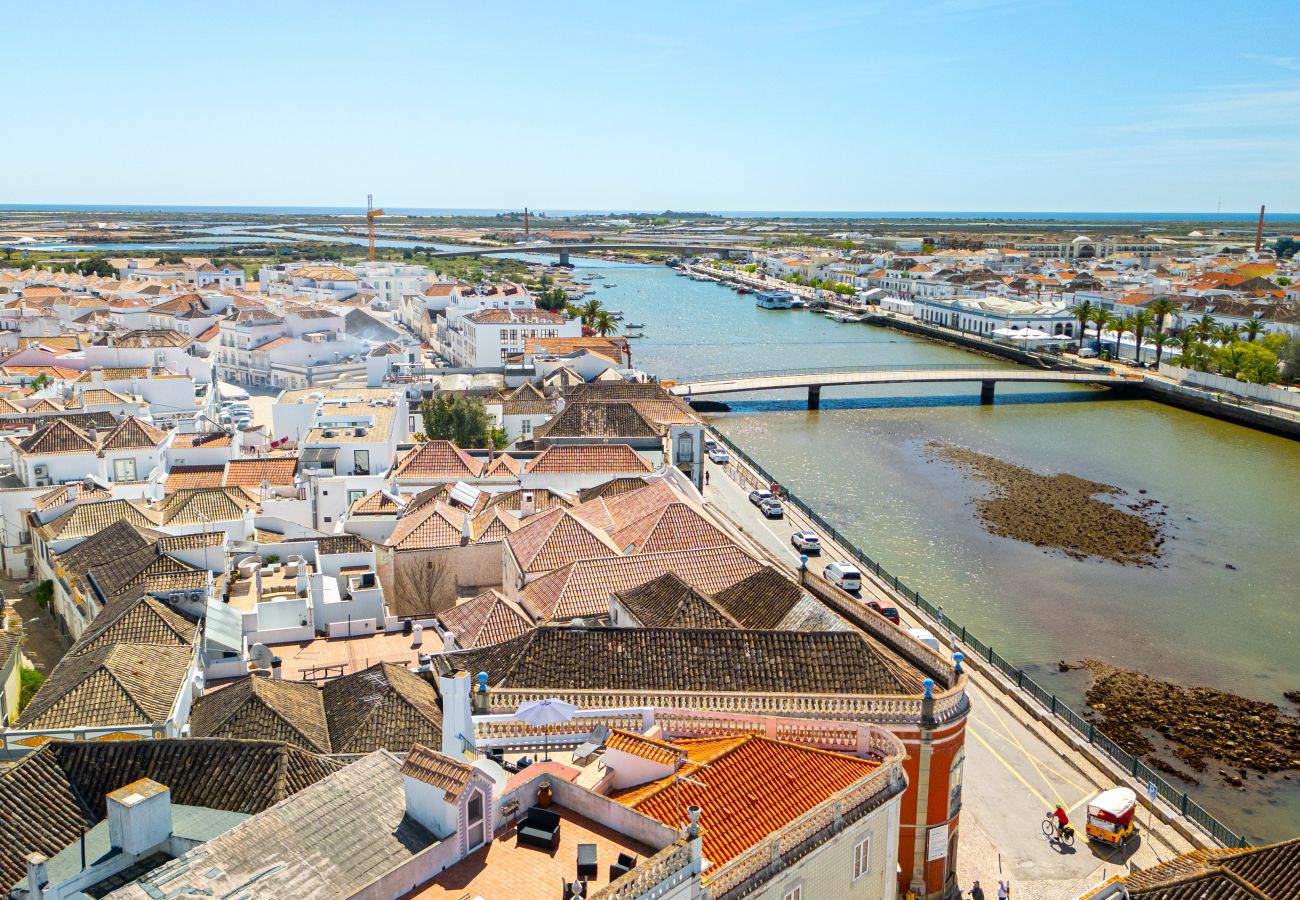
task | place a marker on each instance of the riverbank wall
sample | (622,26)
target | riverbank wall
(1173,806)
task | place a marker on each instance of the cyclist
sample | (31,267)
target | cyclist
(1062,820)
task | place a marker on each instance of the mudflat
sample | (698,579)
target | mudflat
(1195,724)
(1062,511)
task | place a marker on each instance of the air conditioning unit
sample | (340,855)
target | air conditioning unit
(358,432)
(328,434)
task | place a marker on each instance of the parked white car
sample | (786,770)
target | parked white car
(720,455)
(806,542)
(843,575)
(925,637)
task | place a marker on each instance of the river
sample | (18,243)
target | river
(1232,497)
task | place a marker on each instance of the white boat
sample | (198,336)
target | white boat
(635,334)
(774,300)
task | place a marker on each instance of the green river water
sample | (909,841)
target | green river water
(1232,496)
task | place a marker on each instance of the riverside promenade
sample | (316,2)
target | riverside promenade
(1017,767)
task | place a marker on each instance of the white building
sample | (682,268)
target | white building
(391,281)
(984,315)
(486,338)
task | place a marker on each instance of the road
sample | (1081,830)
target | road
(1015,769)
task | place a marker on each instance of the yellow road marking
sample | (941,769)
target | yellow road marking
(1006,765)
(1005,733)
(1032,761)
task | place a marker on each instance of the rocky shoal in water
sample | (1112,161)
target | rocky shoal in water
(1197,724)
(1061,511)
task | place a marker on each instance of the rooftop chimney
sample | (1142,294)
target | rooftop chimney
(465,533)
(139,816)
(457,724)
(527,504)
(1259,231)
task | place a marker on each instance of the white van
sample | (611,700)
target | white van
(843,575)
(925,637)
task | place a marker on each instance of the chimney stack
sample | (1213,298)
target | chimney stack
(139,817)
(1259,230)
(457,723)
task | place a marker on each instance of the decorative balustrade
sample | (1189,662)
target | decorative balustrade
(882,709)
(653,877)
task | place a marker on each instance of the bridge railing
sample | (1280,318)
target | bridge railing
(838,370)
(746,471)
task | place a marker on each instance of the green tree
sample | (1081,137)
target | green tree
(1082,311)
(29,682)
(1252,328)
(1187,343)
(1159,340)
(1121,326)
(462,420)
(603,324)
(1227,334)
(97,265)
(1140,324)
(1288,354)
(1099,317)
(588,312)
(554,300)
(1282,282)
(1162,308)
(1256,363)
(1204,326)
(44,593)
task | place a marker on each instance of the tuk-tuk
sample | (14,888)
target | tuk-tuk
(1110,816)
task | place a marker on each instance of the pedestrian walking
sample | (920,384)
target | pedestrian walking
(706,478)
(976,892)
(1004,890)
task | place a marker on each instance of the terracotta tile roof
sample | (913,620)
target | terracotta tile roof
(131,434)
(59,436)
(504,465)
(692,660)
(661,752)
(594,391)
(676,526)
(611,349)
(612,488)
(104,397)
(563,459)
(489,618)
(142,620)
(151,337)
(1271,872)
(59,496)
(555,539)
(197,506)
(379,503)
(407,711)
(760,601)
(279,471)
(439,771)
(517,316)
(117,374)
(202,439)
(543,499)
(342,543)
(582,589)
(435,525)
(50,795)
(437,459)
(116,684)
(146,570)
(752,787)
(259,708)
(181,478)
(86,519)
(669,602)
(598,420)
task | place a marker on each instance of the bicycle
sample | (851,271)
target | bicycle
(1065,835)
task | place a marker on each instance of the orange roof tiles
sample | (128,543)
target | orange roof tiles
(752,787)
(180,478)
(577,458)
(555,539)
(647,748)
(278,471)
(437,459)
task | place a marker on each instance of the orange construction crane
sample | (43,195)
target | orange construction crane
(371,215)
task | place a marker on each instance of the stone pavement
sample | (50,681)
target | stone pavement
(1016,769)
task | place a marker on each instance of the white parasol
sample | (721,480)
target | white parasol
(540,713)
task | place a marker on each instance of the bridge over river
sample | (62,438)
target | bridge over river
(816,379)
(563,250)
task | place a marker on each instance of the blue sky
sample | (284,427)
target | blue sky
(1141,105)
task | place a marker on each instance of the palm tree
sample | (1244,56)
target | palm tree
(1099,317)
(1159,339)
(1118,325)
(1082,311)
(1187,342)
(603,323)
(1227,334)
(1204,325)
(589,311)
(1252,329)
(1141,323)
(1162,308)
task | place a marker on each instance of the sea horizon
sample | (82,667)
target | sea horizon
(976,216)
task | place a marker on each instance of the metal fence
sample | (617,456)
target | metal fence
(1085,730)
